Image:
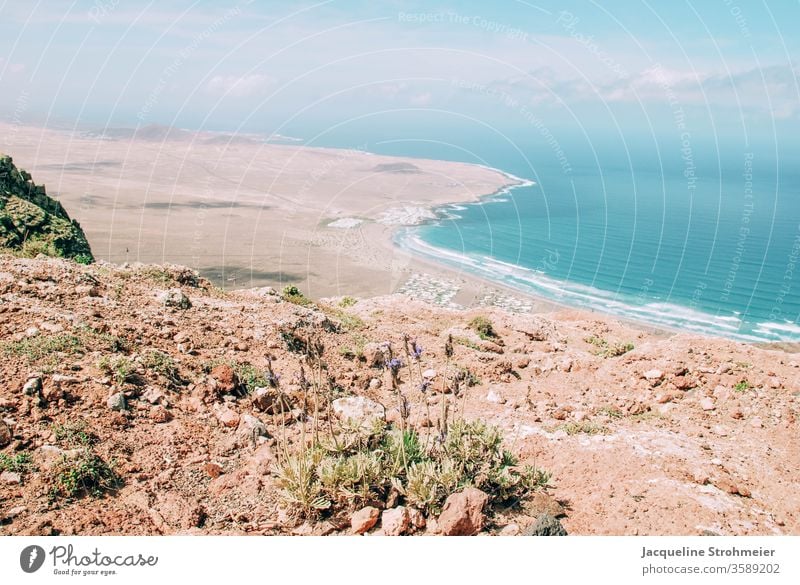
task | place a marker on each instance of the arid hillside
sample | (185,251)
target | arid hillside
(142,400)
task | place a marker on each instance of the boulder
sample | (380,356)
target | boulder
(462,514)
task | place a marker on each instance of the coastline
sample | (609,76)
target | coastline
(247,214)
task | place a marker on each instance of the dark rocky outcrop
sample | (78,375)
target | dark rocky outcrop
(32,222)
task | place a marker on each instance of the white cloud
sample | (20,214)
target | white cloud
(773,88)
(239,86)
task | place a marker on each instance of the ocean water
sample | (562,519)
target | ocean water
(667,244)
(701,237)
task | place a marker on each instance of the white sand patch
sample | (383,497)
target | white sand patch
(406,215)
(345,223)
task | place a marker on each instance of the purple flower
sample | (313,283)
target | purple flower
(416,350)
(394,364)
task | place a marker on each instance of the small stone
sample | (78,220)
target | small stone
(31,332)
(117,402)
(395,521)
(159,414)
(32,387)
(546,525)
(429,374)
(363,520)
(417,518)
(12,513)
(10,478)
(251,427)
(175,298)
(87,290)
(5,434)
(523,363)
(654,375)
(375,354)
(358,409)
(271,400)
(495,397)
(52,327)
(756,422)
(707,404)
(510,530)
(462,514)
(226,416)
(720,430)
(375,383)
(227,382)
(154,396)
(214,470)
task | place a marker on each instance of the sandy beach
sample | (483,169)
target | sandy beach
(248,213)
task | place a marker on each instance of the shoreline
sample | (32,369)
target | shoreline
(248,215)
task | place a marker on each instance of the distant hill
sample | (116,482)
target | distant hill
(32,222)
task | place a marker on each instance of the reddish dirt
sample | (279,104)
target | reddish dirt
(686,451)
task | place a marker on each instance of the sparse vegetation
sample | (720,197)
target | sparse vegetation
(20,463)
(37,349)
(250,376)
(74,434)
(609,350)
(344,466)
(583,428)
(466,343)
(162,364)
(293,295)
(120,368)
(347,302)
(84,259)
(349,468)
(81,475)
(483,327)
(742,385)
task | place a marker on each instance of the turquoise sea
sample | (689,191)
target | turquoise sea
(701,237)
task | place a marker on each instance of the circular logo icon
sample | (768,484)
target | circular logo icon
(31,558)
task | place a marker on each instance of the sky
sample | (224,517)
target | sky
(718,67)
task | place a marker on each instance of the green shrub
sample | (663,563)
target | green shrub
(74,434)
(608,350)
(163,364)
(293,295)
(347,302)
(483,327)
(354,467)
(84,474)
(83,259)
(19,463)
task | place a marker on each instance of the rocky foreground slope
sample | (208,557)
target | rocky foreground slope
(142,400)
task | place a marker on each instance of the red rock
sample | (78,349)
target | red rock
(395,521)
(462,514)
(364,519)
(227,417)
(214,470)
(226,379)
